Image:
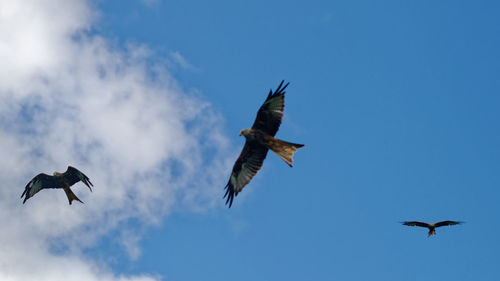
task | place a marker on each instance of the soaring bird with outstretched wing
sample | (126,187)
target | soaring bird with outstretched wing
(58,180)
(259,139)
(431,226)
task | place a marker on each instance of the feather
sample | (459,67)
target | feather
(64,181)
(259,139)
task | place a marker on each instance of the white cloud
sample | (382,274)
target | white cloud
(68,98)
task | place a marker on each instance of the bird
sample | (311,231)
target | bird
(259,139)
(431,226)
(57,180)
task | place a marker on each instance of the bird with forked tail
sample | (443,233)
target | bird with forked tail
(57,180)
(431,226)
(259,139)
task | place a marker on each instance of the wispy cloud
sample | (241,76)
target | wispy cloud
(181,61)
(68,98)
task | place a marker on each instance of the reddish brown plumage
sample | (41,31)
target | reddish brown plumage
(259,139)
(58,180)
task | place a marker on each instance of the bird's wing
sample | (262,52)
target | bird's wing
(271,112)
(40,182)
(247,165)
(416,223)
(443,223)
(73,175)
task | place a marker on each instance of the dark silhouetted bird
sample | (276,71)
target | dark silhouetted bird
(58,180)
(431,226)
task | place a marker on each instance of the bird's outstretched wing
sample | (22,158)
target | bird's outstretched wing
(73,175)
(271,112)
(444,223)
(40,182)
(415,223)
(246,166)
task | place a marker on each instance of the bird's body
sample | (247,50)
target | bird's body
(259,139)
(57,180)
(431,226)
(255,136)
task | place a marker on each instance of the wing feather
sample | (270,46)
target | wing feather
(443,223)
(73,175)
(246,166)
(41,181)
(416,223)
(271,112)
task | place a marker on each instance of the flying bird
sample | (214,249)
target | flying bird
(58,180)
(259,139)
(431,226)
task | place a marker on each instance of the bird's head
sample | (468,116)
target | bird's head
(245,132)
(57,174)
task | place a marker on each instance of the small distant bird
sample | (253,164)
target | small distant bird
(259,139)
(431,226)
(58,180)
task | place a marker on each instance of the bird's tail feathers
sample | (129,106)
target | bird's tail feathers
(71,196)
(431,232)
(285,150)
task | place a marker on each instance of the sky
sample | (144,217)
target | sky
(396,103)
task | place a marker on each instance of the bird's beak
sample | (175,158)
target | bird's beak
(240,134)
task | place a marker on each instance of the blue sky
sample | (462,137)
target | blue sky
(396,102)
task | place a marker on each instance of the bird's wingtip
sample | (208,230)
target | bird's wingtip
(229,194)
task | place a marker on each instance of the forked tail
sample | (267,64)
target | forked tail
(71,196)
(285,150)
